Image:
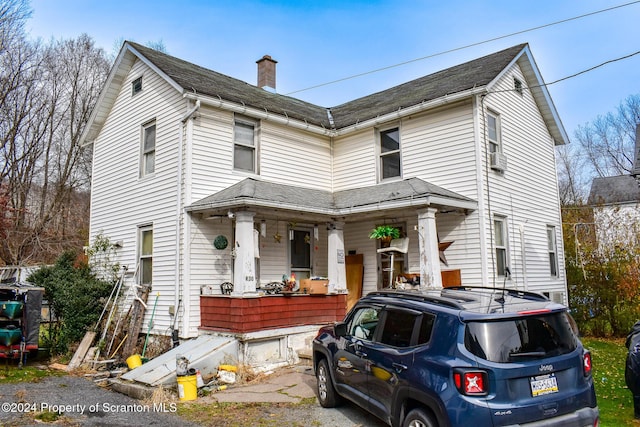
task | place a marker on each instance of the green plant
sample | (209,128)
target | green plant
(75,295)
(384,232)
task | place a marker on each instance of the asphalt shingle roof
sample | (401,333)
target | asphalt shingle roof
(614,189)
(476,73)
(257,192)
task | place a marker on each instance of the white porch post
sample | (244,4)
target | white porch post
(430,275)
(244,275)
(336,258)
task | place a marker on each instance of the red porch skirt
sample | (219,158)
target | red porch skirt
(249,314)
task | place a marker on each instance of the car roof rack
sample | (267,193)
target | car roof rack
(415,296)
(505,291)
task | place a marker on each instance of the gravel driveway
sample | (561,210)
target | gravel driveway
(80,402)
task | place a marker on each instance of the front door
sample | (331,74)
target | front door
(300,252)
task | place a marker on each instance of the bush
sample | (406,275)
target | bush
(75,295)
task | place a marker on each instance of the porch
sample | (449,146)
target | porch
(241,315)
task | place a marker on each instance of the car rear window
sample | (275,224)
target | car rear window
(523,338)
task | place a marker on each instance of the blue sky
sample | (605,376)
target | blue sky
(316,42)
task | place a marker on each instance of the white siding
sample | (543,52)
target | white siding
(121,201)
(354,160)
(527,193)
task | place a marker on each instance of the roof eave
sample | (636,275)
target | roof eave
(404,112)
(540,93)
(258,114)
(119,70)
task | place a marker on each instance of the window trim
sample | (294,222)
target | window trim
(136,86)
(144,152)
(505,244)
(380,154)
(143,256)
(495,145)
(518,86)
(255,124)
(552,248)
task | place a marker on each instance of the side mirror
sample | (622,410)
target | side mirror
(340,329)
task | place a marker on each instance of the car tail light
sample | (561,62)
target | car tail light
(471,382)
(586,363)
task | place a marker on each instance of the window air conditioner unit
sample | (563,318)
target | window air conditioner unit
(498,161)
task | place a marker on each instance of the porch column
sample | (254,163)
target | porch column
(336,257)
(430,275)
(244,275)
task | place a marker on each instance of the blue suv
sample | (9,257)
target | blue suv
(464,356)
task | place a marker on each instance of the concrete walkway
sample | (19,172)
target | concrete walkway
(286,385)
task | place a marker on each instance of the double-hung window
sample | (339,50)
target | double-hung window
(500,243)
(553,251)
(148,161)
(145,254)
(390,153)
(493,132)
(245,136)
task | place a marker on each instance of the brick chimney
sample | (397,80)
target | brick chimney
(267,73)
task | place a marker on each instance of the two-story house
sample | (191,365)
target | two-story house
(206,179)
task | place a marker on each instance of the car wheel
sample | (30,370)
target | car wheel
(418,418)
(327,395)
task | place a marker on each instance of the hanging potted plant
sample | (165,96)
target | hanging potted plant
(386,233)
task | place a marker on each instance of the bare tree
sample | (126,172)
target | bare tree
(608,142)
(44,172)
(573,182)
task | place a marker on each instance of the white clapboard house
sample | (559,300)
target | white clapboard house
(204,179)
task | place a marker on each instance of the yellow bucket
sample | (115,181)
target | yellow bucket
(134,361)
(187,387)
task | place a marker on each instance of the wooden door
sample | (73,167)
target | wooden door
(355,273)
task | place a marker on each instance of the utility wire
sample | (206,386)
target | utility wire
(472,45)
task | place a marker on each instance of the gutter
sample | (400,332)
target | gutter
(400,204)
(400,113)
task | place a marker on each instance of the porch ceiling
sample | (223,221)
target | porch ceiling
(252,193)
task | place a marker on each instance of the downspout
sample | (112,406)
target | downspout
(480,189)
(179,290)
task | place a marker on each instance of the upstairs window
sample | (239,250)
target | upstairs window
(517,85)
(553,251)
(136,86)
(244,145)
(389,153)
(148,161)
(493,132)
(501,245)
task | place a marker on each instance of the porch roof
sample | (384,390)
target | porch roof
(255,193)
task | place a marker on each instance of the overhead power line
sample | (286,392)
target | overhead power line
(377,70)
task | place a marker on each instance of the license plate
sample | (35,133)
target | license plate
(543,384)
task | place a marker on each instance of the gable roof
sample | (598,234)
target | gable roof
(464,79)
(251,193)
(618,189)
(614,190)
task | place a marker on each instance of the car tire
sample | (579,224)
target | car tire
(418,418)
(327,395)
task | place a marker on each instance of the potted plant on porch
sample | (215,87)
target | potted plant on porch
(385,232)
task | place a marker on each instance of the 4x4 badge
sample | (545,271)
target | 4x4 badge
(544,368)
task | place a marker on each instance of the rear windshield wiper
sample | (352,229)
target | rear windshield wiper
(528,354)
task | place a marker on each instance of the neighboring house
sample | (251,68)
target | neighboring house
(186,158)
(616,203)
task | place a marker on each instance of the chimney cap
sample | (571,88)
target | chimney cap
(266,58)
